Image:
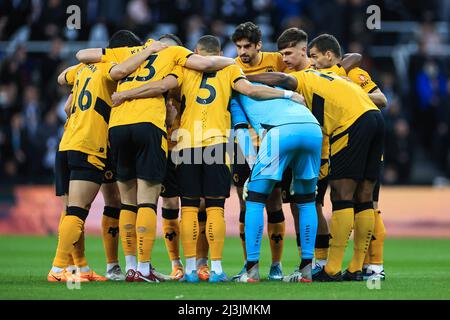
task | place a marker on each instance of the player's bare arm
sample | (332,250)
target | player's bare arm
(62,76)
(265,93)
(279,79)
(350,61)
(208,64)
(123,69)
(378,98)
(93,55)
(148,90)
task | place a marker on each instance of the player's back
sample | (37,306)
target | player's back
(87,127)
(335,102)
(204,111)
(264,114)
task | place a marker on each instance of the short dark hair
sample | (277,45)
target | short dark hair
(291,37)
(210,44)
(173,37)
(326,42)
(124,38)
(247,30)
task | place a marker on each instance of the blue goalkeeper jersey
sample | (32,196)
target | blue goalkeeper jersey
(266,114)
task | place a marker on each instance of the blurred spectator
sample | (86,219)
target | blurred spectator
(431,88)
(429,40)
(14,14)
(47,135)
(442,133)
(195,28)
(397,154)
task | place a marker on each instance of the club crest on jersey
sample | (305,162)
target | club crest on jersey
(108,175)
(362,77)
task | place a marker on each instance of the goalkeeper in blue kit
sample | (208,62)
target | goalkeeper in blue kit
(291,136)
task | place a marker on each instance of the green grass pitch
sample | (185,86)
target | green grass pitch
(415,268)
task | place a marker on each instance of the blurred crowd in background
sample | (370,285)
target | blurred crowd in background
(417,87)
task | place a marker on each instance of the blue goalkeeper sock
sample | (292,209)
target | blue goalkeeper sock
(308,228)
(254,226)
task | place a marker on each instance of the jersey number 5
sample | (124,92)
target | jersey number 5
(210,88)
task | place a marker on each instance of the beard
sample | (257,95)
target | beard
(245,59)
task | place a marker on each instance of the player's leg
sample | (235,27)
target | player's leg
(151,164)
(110,227)
(287,198)
(123,153)
(341,226)
(276,229)
(170,218)
(363,229)
(305,171)
(273,157)
(241,172)
(304,197)
(373,263)
(189,174)
(62,179)
(147,197)
(202,244)
(216,188)
(364,210)
(258,192)
(171,232)
(323,233)
(127,225)
(85,180)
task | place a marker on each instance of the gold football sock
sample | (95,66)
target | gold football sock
(215,226)
(78,254)
(364,224)
(189,230)
(145,231)
(322,245)
(377,243)
(171,231)
(70,232)
(340,228)
(127,229)
(63,214)
(202,241)
(110,230)
(275,231)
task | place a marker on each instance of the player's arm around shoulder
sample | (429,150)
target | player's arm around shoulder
(279,79)
(242,85)
(378,98)
(208,63)
(148,90)
(121,70)
(351,61)
(67,74)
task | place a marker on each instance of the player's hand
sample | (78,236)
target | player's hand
(245,190)
(171,113)
(156,46)
(117,99)
(297,97)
